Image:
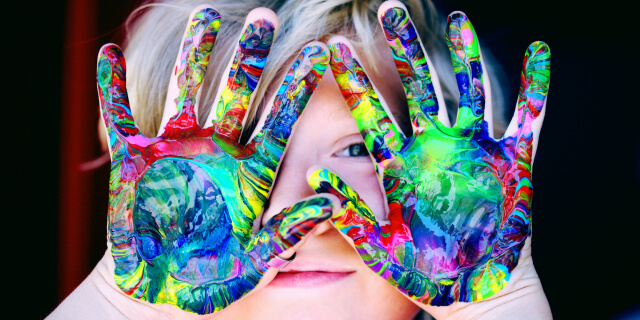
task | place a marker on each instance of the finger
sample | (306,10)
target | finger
(286,229)
(374,242)
(420,83)
(530,111)
(465,57)
(188,73)
(380,133)
(244,73)
(530,108)
(292,97)
(381,248)
(114,101)
(355,219)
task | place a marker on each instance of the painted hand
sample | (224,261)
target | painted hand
(459,201)
(182,205)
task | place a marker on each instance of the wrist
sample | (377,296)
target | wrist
(98,296)
(522,298)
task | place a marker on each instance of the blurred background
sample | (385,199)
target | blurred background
(587,169)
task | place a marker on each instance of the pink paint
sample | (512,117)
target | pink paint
(467,36)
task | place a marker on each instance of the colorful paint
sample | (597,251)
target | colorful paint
(411,63)
(459,201)
(182,205)
(246,69)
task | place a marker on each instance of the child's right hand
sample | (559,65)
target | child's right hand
(182,205)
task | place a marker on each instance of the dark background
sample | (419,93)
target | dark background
(587,172)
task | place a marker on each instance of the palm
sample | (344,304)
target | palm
(451,199)
(459,201)
(182,205)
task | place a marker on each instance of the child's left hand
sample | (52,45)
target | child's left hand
(459,201)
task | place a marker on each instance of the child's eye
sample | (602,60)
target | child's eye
(354,150)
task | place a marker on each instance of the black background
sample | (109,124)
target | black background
(586,177)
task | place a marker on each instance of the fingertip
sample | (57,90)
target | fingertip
(259,32)
(205,10)
(456,16)
(339,44)
(459,26)
(343,55)
(540,45)
(318,54)
(394,19)
(386,7)
(208,16)
(264,14)
(110,61)
(315,177)
(325,182)
(538,52)
(338,51)
(538,56)
(455,20)
(108,51)
(319,45)
(345,64)
(535,77)
(314,171)
(326,205)
(109,47)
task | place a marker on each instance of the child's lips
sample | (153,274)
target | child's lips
(296,279)
(310,272)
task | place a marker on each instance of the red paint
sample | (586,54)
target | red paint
(398,230)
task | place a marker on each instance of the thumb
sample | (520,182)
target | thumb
(287,228)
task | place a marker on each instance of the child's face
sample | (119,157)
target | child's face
(327,279)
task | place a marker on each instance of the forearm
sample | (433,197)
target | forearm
(98,298)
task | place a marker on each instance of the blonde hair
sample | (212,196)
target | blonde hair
(154,32)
